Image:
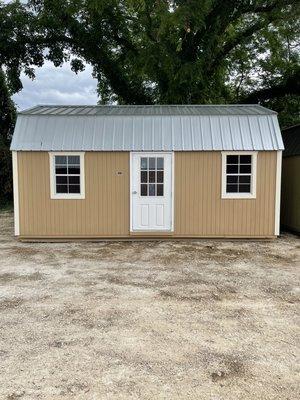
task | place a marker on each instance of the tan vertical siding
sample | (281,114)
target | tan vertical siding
(199,209)
(104,211)
(290,200)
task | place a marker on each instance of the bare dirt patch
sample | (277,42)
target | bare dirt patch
(141,320)
(11,303)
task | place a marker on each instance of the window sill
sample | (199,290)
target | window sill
(238,196)
(68,197)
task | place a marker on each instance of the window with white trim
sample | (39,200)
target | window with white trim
(239,175)
(67,177)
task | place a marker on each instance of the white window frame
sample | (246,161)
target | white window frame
(252,194)
(67,196)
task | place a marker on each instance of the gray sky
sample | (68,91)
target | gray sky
(57,86)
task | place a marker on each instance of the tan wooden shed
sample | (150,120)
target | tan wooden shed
(190,171)
(290,205)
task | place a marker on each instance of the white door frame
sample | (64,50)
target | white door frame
(132,153)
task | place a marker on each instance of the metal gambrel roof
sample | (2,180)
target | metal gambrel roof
(189,109)
(147,128)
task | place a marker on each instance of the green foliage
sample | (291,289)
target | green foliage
(287,107)
(6,191)
(160,51)
(163,51)
(7,121)
(21,47)
(7,113)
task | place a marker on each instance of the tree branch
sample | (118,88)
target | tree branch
(290,86)
(241,37)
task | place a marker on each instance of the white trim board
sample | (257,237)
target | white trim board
(16,193)
(173,193)
(66,196)
(252,195)
(278,192)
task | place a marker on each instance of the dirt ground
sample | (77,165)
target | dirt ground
(149,320)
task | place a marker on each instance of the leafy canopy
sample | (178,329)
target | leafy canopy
(162,51)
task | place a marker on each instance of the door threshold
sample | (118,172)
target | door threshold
(151,233)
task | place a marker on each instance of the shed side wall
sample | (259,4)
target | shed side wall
(104,211)
(199,209)
(290,202)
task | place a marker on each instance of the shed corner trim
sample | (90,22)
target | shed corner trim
(278,192)
(16,193)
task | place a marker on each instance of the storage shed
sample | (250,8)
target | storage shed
(172,171)
(290,209)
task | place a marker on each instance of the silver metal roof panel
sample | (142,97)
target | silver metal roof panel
(152,128)
(230,109)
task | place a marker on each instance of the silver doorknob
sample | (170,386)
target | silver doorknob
(134,192)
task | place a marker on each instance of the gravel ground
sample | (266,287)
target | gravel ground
(149,320)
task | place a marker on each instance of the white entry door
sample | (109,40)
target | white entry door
(151,192)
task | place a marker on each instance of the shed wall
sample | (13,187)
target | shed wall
(199,209)
(103,212)
(290,202)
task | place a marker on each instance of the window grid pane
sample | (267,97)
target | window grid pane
(152,176)
(67,174)
(238,173)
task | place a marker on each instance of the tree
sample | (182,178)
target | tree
(267,71)
(163,51)
(21,49)
(7,121)
(7,113)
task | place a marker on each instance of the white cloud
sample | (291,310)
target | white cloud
(57,86)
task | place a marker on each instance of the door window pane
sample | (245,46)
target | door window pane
(160,176)
(160,163)
(160,190)
(151,163)
(144,163)
(151,176)
(144,190)
(144,176)
(151,190)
